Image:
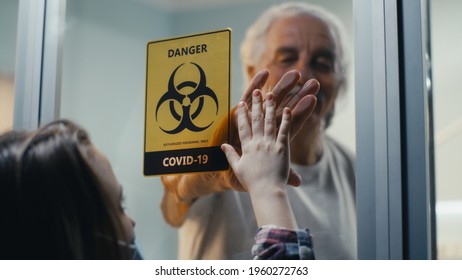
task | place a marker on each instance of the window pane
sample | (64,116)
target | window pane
(103,86)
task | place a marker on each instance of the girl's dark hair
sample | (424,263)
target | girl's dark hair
(66,212)
(10,144)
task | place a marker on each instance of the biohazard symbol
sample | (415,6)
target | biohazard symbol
(186,117)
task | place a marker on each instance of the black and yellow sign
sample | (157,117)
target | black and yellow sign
(187,100)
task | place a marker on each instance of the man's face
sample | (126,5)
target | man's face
(303,43)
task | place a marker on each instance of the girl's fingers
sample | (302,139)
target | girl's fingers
(284,129)
(270,117)
(245,131)
(257,114)
(231,155)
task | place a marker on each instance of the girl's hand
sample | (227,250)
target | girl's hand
(265,150)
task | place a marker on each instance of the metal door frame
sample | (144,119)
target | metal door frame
(38,62)
(395,179)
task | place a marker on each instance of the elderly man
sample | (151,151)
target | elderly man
(298,44)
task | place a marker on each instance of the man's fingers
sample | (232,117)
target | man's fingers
(257,82)
(291,99)
(310,87)
(301,113)
(302,104)
(285,85)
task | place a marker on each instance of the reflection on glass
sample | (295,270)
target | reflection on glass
(447,65)
(8,25)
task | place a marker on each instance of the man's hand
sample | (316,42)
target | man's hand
(287,93)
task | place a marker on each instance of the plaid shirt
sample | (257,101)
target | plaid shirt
(277,243)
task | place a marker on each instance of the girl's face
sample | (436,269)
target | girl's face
(104,169)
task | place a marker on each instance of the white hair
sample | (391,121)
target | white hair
(253,45)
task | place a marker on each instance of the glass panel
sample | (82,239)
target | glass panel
(103,86)
(447,62)
(103,78)
(8,31)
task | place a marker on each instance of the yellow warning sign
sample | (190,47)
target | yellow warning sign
(187,101)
